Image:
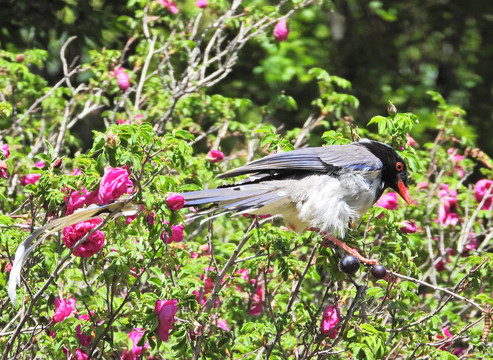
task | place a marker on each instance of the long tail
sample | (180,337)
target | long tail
(123,207)
(240,199)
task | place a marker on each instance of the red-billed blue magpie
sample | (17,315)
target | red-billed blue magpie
(321,189)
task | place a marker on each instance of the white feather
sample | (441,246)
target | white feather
(324,202)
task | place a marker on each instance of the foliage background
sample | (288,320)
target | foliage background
(341,64)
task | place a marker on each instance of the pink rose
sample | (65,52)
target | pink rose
(215,156)
(122,78)
(200,299)
(73,233)
(201,3)
(281,31)
(5,150)
(30,179)
(176,234)
(330,319)
(410,141)
(447,211)
(456,159)
(257,304)
(388,201)
(136,352)
(175,202)
(63,309)
(170,5)
(472,244)
(165,310)
(481,188)
(222,324)
(81,354)
(39,164)
(408,227)
(78,199)
(84,339)
(115,183)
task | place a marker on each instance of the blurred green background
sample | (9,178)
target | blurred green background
(389,50)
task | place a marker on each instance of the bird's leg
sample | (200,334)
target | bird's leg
(346,248)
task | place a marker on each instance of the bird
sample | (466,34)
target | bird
(320,189)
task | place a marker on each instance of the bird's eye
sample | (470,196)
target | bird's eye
(399,166)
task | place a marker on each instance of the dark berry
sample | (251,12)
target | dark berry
(378,271)
(350,264)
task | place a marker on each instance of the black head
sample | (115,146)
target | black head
(394,170)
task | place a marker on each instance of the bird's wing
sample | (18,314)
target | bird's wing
(123,207)
(317,159)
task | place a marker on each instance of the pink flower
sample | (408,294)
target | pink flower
(81,354)
(410,141)
(200,299)
(151,218)
(481,188)
(330,319)
(257,304)
(447,211)
(73,233)
(215,156)
(78,199)
(472,244)
(122,78)
(115,183)
(165,310)
(408,227)
(84,339)
(458,351)
(388,201)
(222,324)
(63,309)
(176,234)
(136,352)
(456,159)
(175,202)
(30,179)
(440,265)
(3,169)
(445,191)
(8,267)
(5,150)
(448,335)
(201,3)
(39,164)
(281,31)
(170,5)
(243,273)
(121,121)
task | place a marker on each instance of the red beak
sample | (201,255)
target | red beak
(404,191)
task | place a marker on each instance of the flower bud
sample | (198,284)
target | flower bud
(175,202)
(111,140)
(281,31)
(215,156)
(392,110)
(201,4)
(58,163)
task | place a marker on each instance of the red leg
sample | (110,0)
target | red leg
(346,248)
